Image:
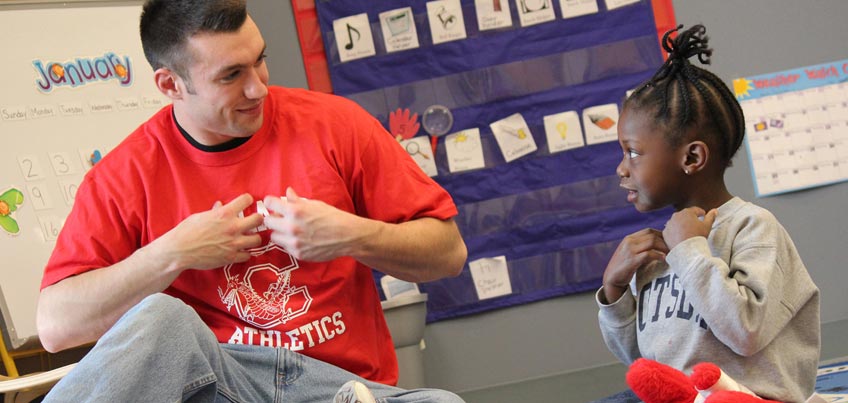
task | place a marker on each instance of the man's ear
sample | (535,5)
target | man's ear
(169,83)
(696,157)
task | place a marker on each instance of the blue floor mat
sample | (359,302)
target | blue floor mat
(832,382)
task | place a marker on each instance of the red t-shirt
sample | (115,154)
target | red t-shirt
(326,148)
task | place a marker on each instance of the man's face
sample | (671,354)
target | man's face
(228,82)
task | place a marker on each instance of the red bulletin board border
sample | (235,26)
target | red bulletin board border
(315,60)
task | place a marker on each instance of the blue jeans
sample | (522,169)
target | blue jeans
(161,351)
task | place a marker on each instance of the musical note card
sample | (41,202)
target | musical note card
(576,8)
(563,131)
(796,127)
(600,123)
(513,136)
(491,277)
(446,21)
(353,37)
(419,149)
(532,12)
(464,150)
(493,14)
(399,31)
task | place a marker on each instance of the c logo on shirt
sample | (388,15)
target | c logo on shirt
(261,292)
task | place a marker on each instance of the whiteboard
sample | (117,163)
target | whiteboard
(73,83)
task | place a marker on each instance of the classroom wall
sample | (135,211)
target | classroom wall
(557,341)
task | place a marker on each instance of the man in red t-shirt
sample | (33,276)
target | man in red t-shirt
(224,248)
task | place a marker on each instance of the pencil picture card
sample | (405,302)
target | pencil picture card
(353,37)
(398,28)
(513,137)
(492,14)
(419,149)
(532,12)
(600,123)
(563,131)
(576,8)
(464,150)
(446,21)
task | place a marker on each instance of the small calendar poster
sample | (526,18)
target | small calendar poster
(796,125)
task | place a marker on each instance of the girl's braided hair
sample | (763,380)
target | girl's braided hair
(684,96)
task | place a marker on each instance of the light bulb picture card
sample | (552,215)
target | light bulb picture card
(353,37)
(464,151)
(446,21)
(492,14)
(532,12)
(576,8)
(563,131)
(513,137)
(398,28)
(419,149)
(600,123)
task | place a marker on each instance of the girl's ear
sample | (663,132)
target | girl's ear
(696,157)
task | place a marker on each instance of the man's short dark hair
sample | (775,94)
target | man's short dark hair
(166,26)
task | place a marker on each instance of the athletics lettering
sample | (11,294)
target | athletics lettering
(308,335)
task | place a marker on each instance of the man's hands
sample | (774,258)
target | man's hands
(312,230)
(212,238)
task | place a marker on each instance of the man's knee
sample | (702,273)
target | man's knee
(163,306)
(163,309)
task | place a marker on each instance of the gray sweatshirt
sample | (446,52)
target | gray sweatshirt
(741,299)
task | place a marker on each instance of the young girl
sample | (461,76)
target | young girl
(723,281)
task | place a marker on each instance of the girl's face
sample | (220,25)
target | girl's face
(651,170)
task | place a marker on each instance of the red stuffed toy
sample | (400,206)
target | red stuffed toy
(654,382)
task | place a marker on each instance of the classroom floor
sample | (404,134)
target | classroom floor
(832,381)
(831,384)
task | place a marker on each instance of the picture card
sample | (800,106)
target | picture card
(601,123)
(353,37)
(465,151)
(398,28)
(563,131)
(513,137)
(446,21)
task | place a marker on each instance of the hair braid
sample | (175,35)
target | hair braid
(736,115)
(684,96)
